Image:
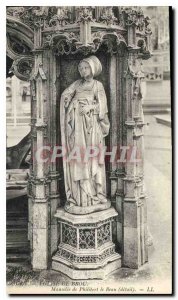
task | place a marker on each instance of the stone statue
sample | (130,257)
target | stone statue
(84,123)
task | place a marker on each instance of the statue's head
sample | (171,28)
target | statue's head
(89,67)
(85,70)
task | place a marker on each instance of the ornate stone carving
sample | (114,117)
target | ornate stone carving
(84,259)
(69,235)
(66,43)
(22,67)
(15,11)
(107,16)
(86,238)
(39,71)
(36,16)
(121,18)
(135,68)
(85,14)
(70,43)
(48,41)
(71,46)
(112,41)
(103,234)
(33,16)
(130,15)
(16,47)
(134,16)
(140,20)
(86,42)
(86,248)
(147,25)
(61,18)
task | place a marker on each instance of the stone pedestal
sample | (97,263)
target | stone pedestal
(86,250)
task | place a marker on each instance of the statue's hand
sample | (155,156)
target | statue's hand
(66,101)
(85,109)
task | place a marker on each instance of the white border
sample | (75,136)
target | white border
(3,294)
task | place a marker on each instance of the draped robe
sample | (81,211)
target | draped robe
(85,181)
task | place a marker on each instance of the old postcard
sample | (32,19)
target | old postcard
(89,166)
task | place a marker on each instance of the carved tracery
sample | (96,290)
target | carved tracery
(123,34)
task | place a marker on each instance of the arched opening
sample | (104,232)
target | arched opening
(18,141)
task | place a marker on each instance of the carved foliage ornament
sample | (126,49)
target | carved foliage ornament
(47,16)
(15,11)
(135,16)
(107,16)
(61,18)
(33,16)
(52,39)
(85,14)
(16,47)
(70,43)
(22,67)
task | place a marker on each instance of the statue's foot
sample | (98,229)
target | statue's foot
(102,198)
(83,210)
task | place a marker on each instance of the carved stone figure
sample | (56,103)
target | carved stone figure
(84,125)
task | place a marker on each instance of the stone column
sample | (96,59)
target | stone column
(50,65)
(113,124)
(116,169)
(134,208)
(39,174)
(122,58)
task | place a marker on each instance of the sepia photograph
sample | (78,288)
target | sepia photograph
(89,150)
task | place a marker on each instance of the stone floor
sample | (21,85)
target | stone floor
(158,186)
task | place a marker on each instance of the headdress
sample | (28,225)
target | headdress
(94,63)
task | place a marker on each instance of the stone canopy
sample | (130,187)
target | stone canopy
(45,44)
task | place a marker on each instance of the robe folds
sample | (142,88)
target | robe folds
(84,176)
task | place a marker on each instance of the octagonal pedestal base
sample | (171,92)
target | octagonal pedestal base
(86,250)
(100,273)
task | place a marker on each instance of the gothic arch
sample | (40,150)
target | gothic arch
(19,47)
